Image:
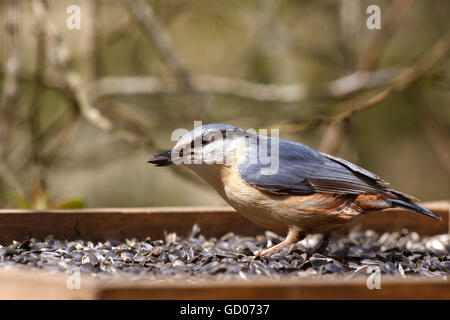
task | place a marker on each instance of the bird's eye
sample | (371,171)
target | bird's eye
(206,141)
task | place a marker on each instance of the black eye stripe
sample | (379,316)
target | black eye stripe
(206,141)
(224,134)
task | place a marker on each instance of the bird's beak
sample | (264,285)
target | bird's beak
(161,159)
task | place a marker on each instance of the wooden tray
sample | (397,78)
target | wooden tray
(121,223)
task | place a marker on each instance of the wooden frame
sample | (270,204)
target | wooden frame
(120,223)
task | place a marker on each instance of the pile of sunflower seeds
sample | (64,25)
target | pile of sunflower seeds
(399,254)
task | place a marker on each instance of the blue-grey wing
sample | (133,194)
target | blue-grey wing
(302,171)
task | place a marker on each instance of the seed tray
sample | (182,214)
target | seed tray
(156,253)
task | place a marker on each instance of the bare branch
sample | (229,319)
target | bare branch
(12,56)
(404,79)
(437,134)
(10,83)
(208,84)
(332,138)
(350,27)
(9,97)
(349,22)
(74,82)
(32,117)
(440,140)
(90,29)
(153,28)
(75,85)
(150,24)
(371,56)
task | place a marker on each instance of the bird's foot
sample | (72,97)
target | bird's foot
(292,237)
(275,248)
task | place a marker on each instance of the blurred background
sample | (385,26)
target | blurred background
(82,110)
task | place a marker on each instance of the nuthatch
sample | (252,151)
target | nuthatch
(299,189)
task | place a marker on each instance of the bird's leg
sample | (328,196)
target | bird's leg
(293,236)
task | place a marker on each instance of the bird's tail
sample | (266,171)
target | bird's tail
(414,207)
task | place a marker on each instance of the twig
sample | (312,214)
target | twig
(208,84)
(165,48)
(155,31)
(349,32)
(12,56)
(438,135)
(10,82)
(61,132)
(32,118)
(437,52)
(74,82)
(371,56)
(350,27)
(364,106)
(440,141)
(90,29)
(332,138)
(263,29)
(121,30)
(9,97)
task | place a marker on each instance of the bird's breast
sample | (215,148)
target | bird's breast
(312,213)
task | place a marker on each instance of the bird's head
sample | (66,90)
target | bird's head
(212,144)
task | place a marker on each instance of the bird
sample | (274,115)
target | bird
(283,185)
